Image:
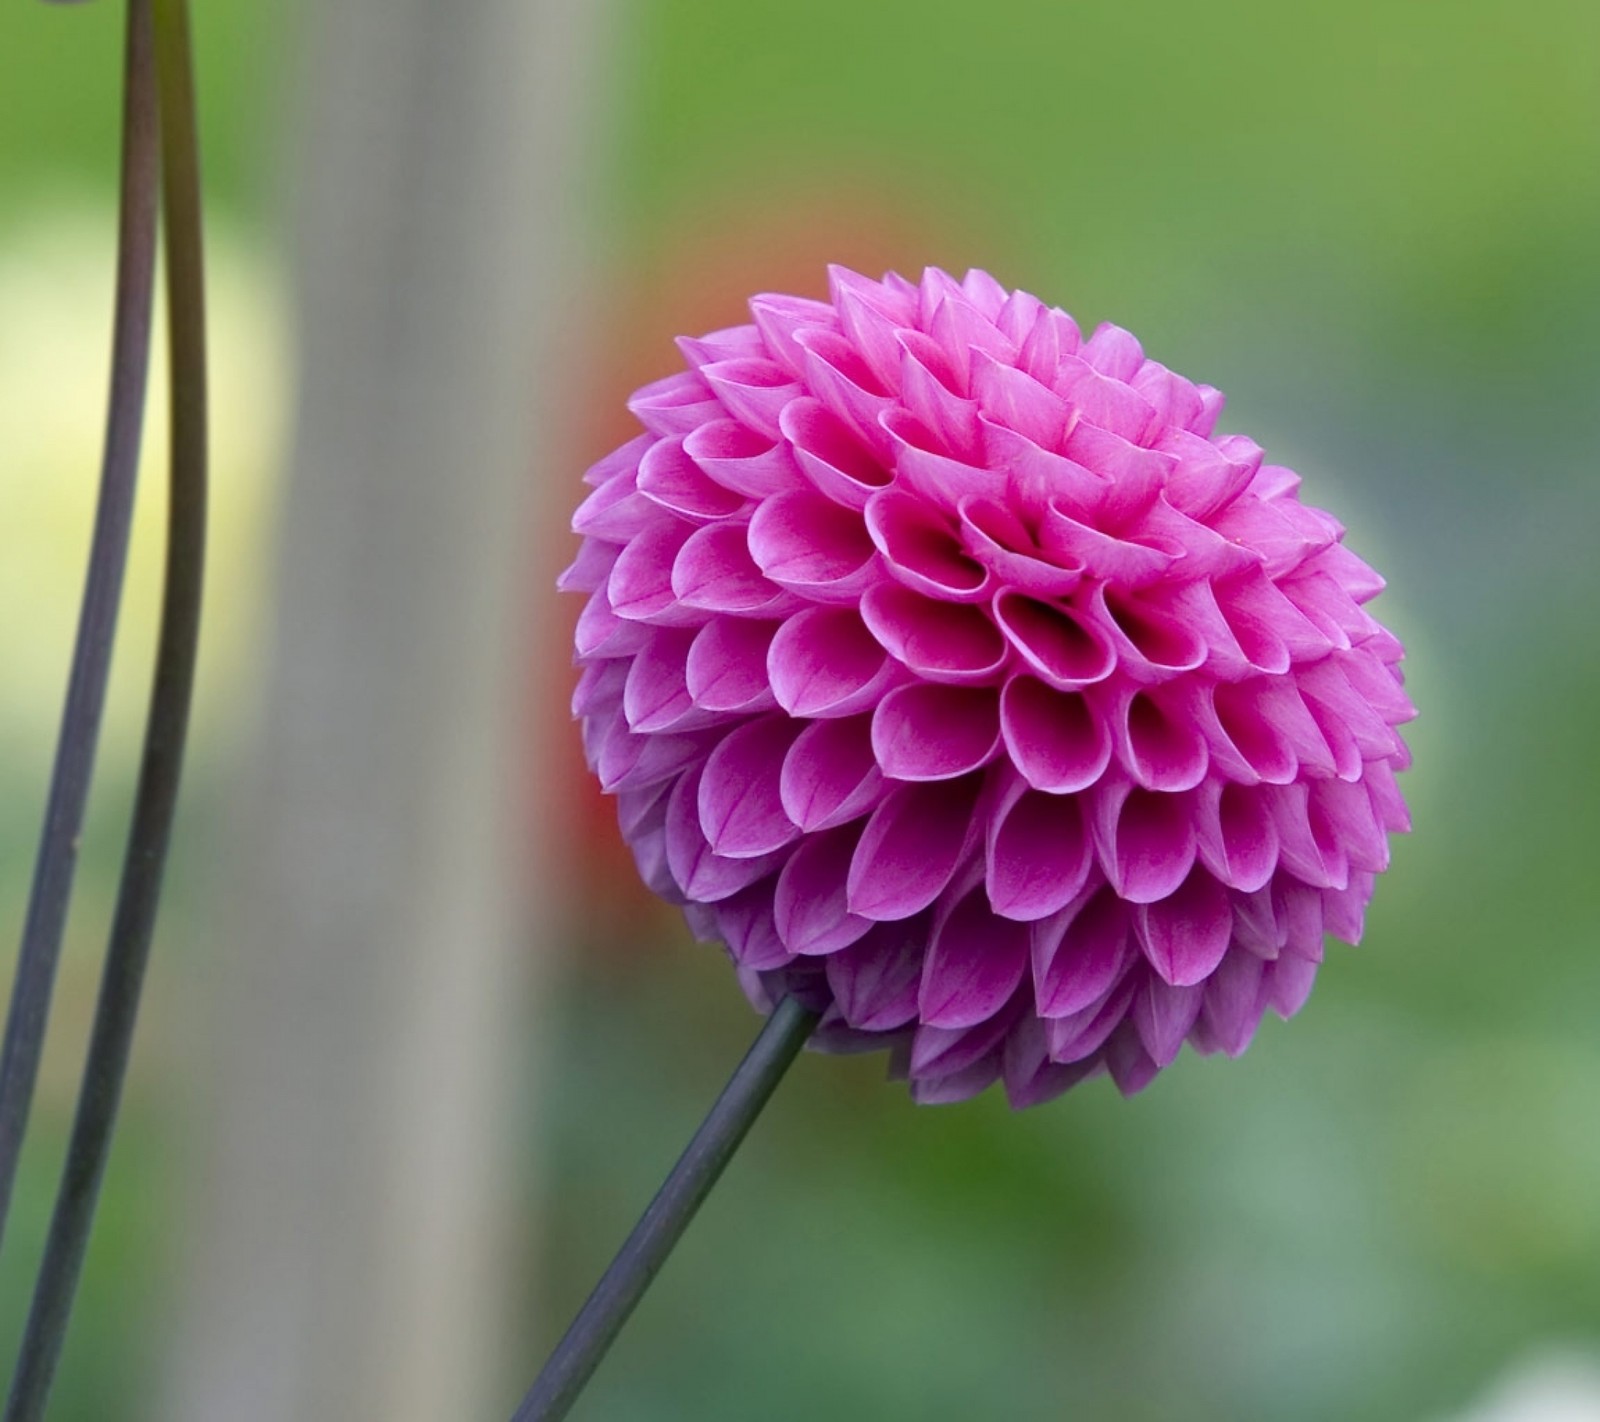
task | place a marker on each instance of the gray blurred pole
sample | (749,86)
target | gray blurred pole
(348,1237)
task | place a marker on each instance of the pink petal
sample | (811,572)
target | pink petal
(812,546)
(1185,934)
(1038,854)
(640,587)
(1238,838)
(1060,646)
(701,920)
(1299,911)
(984,292)
(1307,846)
(1036,477)
(973,965)
(746,925)
(674,406)
(639,811)
(1254,728)
(1288,984)
(1256,926)
(1194,605)
(830,776)
(731,343)
(1328,607)
(1054,334)
(1374,682)
(1114,352)
(1079,1036)
(656,694)
(1014,399)
(1081,954)
(872,335)
(1150,643)
(1128,562)
(893,300)
(1055,739)
(714,572)
(622,461)
(926,468)
(1031,1078)
(1341,813)
(1254,630)
(1162,1016)
(1272,630)
(875,980)
(964,332)
(1131,1067)
(629,762)
(670,478)
(824,662)
(649,852)
(936,287)
(601,633)
(780,317)
(834,460)
(837,375)
(933,390)
(1205,479)
(1134,476)
(922,549)
(940,641)
(726,669)
(1019,314)
(754,392)
(1344,910)
(1345,718)
(600,688)
(810,904)
(616,512)
(1146,840)
(963,1085)
(912,846)
(997,538)
(1264,527)
(1234,999)
(1201,552)
(698,870)
(741,810)
(1387,802)
(1348,571)
(1159,746)
(589,571)
(926,731)
(742,460)
(943,1052)
(1212,402)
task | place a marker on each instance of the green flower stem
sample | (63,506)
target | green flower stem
(155,800)
(102,595)
(663,1224)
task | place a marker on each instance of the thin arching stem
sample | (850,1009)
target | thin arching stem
(663,1223)
(155,801)
(91,659)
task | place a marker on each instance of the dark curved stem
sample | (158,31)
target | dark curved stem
(91,659)
(155,801)
(640,1259)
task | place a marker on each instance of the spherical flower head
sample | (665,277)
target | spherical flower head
(951,671)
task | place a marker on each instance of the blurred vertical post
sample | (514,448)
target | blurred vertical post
(348,1247)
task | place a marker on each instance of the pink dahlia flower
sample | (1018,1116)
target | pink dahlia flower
(954,674)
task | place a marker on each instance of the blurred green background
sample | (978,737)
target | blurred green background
(1377,226)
